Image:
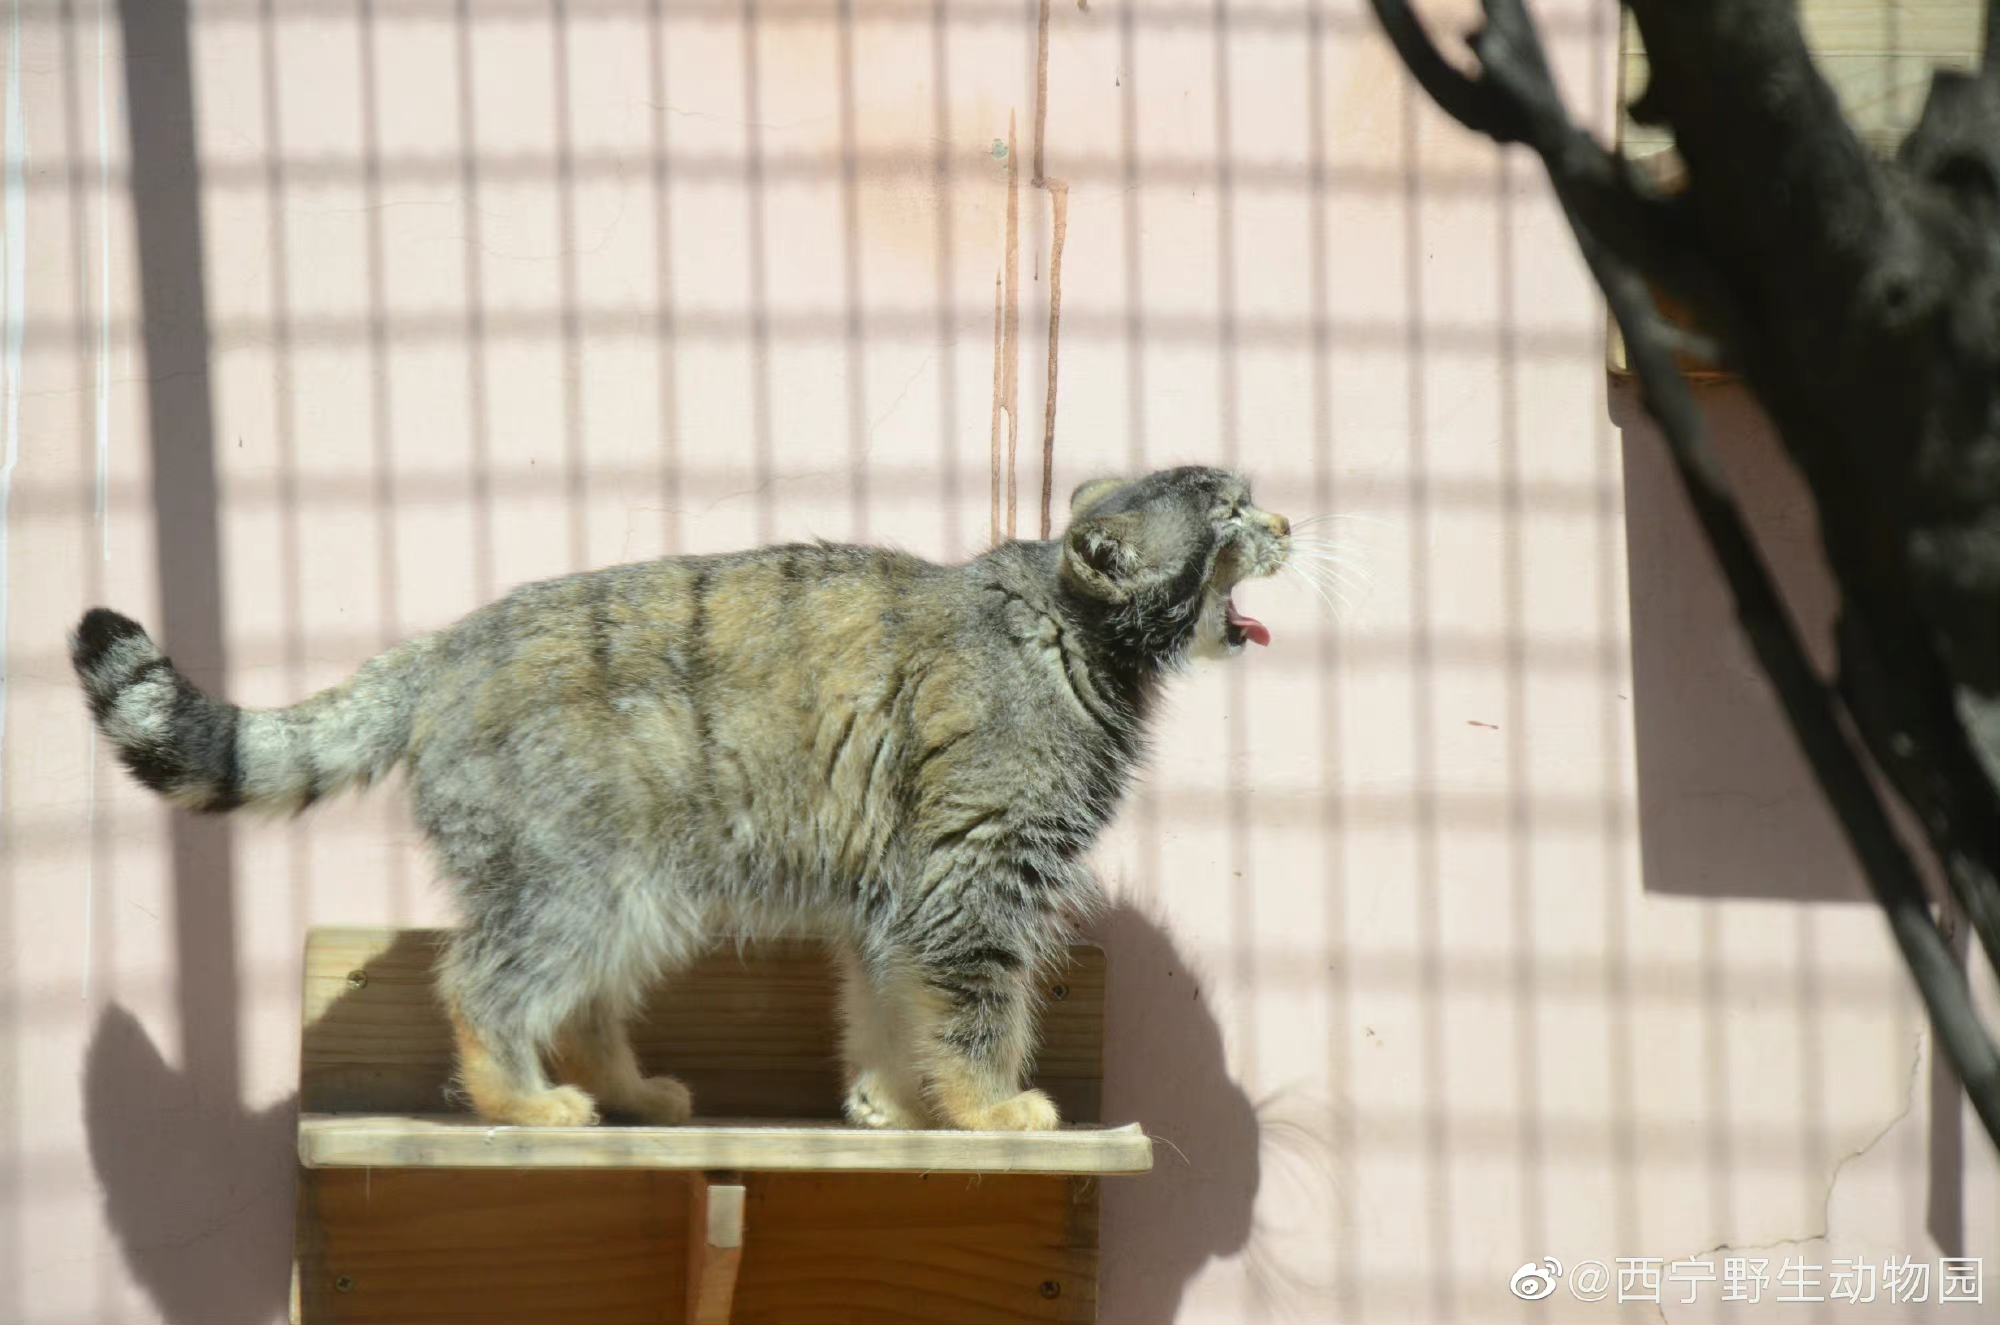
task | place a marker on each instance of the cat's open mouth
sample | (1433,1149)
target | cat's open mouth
(1238,628)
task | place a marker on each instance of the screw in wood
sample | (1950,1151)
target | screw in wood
(357,979)
(1051,1289)
(1059,992)
(344,1284)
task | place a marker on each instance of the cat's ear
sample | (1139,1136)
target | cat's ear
(1113,557)
(1089,494)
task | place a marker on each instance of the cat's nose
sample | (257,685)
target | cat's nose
(1281,525)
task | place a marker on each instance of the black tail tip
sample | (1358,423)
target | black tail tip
(100,631)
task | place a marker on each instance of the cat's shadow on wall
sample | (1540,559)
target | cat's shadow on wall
(1164,1067)
(196,1187)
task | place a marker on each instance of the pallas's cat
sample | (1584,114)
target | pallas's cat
(618,768)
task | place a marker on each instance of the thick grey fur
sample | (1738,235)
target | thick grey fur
(617,768)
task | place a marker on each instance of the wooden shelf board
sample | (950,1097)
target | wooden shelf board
(455,1141)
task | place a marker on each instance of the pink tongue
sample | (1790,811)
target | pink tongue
(1253,630)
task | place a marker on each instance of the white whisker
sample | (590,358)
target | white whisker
(1346,553)
(1328,544)
(1351,571)
(1322,591)
(1335,574)
(1343,547)
(1347,588)
(1329,559)
(1338,552)
(1333,609)
(1309,521)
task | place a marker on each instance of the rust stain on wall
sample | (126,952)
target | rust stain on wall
(1007,367)
(1058,191)
(999,387)
(1059,228)
(1041,88)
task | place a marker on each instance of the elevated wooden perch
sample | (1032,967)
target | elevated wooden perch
(771,1210)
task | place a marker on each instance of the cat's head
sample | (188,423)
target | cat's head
(1160,555)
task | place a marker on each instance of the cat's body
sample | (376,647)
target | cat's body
(617,768)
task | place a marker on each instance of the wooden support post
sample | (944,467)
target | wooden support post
(715,1245)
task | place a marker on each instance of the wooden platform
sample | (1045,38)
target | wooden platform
(444,1141)
(770,1210)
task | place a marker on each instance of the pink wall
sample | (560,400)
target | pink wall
(1422,968)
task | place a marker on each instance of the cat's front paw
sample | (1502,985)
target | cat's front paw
(1030,1111)
(868,1105)
(660,1102)
(560,1106)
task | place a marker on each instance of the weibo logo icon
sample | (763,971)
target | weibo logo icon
(1533,1282)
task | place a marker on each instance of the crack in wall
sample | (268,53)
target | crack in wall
(1824,1234)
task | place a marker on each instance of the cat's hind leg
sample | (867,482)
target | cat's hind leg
(884,1088)
(564,916)
(502,1078)
(506,998)
(976,1029)
(593,1052)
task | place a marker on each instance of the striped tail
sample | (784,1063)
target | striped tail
(210,756)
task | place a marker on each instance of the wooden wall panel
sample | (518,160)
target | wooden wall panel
(754,1036)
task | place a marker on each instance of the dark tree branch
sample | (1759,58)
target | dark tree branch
(1734,80)
(1808,706)
(1466,100)
(1871,299)
(1806,701)
(1604,190)
(1866,323)
(1877,706)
